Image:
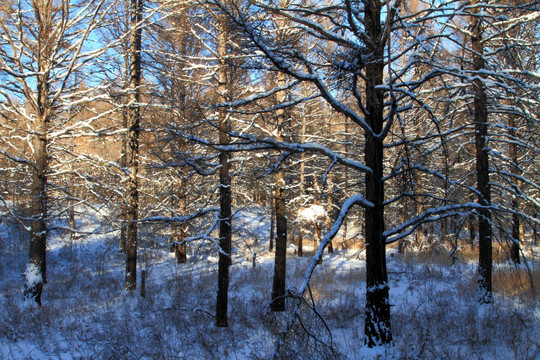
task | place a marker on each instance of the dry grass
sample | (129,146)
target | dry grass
(516,281)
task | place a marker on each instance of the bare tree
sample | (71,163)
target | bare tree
(43,46)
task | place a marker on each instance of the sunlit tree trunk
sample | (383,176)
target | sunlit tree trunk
(36,272)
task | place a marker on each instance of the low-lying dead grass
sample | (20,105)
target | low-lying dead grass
(516,281)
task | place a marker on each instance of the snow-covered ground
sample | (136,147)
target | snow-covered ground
(87,314)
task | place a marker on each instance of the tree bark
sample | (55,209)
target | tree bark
(484,291)
(179,231)
(302,187)
(36,272)
(377,324)
(123,206)
(516,237)
(278,286)
(272,221)
(132,155)
(225,194)
(300,242)
(419,209)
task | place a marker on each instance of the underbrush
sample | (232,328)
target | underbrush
(88,315)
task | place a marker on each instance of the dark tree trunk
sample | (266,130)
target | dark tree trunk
(515,248)
(420,230)
(132,155)
(482,167)
(278,286)
(272,221)
(179,230)
(377,324)
(472,228)
(534,228)
(302,186)
(123,206)
(300,243)
(516,238)
(225,194)
(330,214)
(401,243)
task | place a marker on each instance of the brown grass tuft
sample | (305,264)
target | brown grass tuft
(516,282)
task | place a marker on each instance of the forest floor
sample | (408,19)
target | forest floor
(87,314)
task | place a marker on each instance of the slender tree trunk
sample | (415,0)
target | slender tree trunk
(225,194)
(534,229)
(516,238)
(71,213)
(377,324)
(278,286)
(179,230)
(401,242)
(472,229)
(272,221)
(482,166)
(132,155)
(302,188)
(317,223)
(300,242)
(123,206)
(444,229)
(419,209)
(346,221)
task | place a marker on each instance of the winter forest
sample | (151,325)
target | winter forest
(282,179)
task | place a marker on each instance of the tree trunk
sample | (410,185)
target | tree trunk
(272,221)
(472,229)
(36,271)
(179,230)
(225,194)
(302,187)
(37,266)
(419,209)
(401,242)
(300,243)
(484,291)
(278,286)
(123,206)
(346,170)
(132,154)
(514,248)
(377,324)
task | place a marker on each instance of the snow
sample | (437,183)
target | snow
(33,275)
(312,213)
(86,312)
